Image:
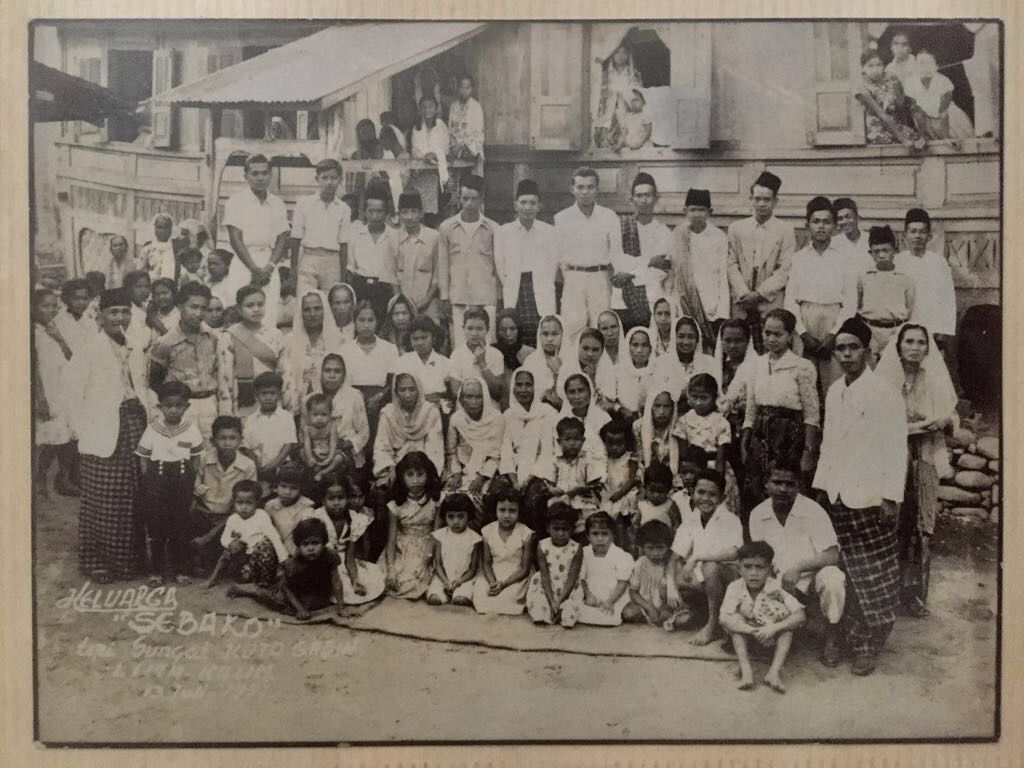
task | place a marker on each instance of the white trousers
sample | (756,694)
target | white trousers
(585,295)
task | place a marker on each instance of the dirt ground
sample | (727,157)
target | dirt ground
(101,680)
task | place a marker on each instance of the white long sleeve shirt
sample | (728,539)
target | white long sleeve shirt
(252,530)
(935,307)
(864,445)
(709,256)
(820,278)
(588,241)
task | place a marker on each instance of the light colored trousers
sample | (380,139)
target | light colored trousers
(585,295)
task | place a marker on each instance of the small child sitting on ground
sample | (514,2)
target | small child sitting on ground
(290,506)
(573,471)
(756,606)
(455,554)
(320,451)
(555,594)
(507,554)
(362,580)
(309,581)
(653,596)
(252,547)
(605,574)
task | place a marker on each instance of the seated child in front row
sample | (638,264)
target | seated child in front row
(320,450)
(253,550)
(289,505)
(413,517)
(456,553)
(653,596)
(362,580)
(507,555)
(704,549)
(309,581)
(618,496)
(555,593)
(604,574)
(756,606)
(655,504)
(572,471)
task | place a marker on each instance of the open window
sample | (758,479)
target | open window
(656,75)
(130,76)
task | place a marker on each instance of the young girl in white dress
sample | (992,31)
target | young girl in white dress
(507,551)
(456,553)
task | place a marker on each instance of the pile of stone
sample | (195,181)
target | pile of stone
(974,489)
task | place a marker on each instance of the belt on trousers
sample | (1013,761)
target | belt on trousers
(203,394)
(882,323)
(601,268)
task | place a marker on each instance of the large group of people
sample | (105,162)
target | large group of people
(701,428)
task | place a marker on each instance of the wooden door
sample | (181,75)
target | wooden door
(556,86)
(834,116)
(691,84)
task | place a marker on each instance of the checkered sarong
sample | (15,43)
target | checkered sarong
(868,550)
(526,306)
(638,311)
(110,534)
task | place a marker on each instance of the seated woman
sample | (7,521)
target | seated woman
(652,432)
(634,372)
(348,412)
(310,339)
(474,442)
(888,118)
(407,423)
(509,341)
(546,361)
(342,301)
(663,320)
(528,422)
(253,348)
(591,360)
(398,323)
(580,400)
(431,367)
(371,359)
(672,371)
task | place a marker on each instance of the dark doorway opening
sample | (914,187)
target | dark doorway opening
(130,76)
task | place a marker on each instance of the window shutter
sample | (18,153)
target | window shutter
(164,116)
(556,86)
(834,116)
(691,85)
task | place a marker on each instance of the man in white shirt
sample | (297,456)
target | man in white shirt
(701,262)
(932,276)
(642,276)
(589,245)
(368,244)
(862,470)
(526,259)
(819,293)
(316,226)
(850,239)
(806,549)
(257,224)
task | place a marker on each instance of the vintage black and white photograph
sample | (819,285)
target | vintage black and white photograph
(465,382)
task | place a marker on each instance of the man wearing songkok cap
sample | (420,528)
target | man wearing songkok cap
(849,238)
(700,260)
(819,292)
(885,296)
(108,417)
(932,277)
(411,268)
(760,253)
(862,470)
(589,248)
(526,257)
(643,275)
(466,272)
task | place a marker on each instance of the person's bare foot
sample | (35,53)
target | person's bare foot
(774,682)
(182,580)
(746,677)
(463,601)
(705,636)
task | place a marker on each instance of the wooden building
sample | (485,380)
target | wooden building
(730,99)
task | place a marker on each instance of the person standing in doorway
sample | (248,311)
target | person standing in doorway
(589,243)
(466,271)
(257,224)
(760,254)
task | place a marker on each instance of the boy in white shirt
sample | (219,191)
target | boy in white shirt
(475,357)
(252,546)
(269,433)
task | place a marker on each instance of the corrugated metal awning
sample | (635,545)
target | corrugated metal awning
(324,68)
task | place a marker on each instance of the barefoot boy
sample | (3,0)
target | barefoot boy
(756,606)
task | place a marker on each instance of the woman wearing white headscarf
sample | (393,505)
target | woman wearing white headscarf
(636,363)
(674,369)
(348,412)
(546,361)
(653,431)
(310,339)
(663,321)
(581,402)
(407,423)
(919,373)
(475,435)
(591,360)
(527,422)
